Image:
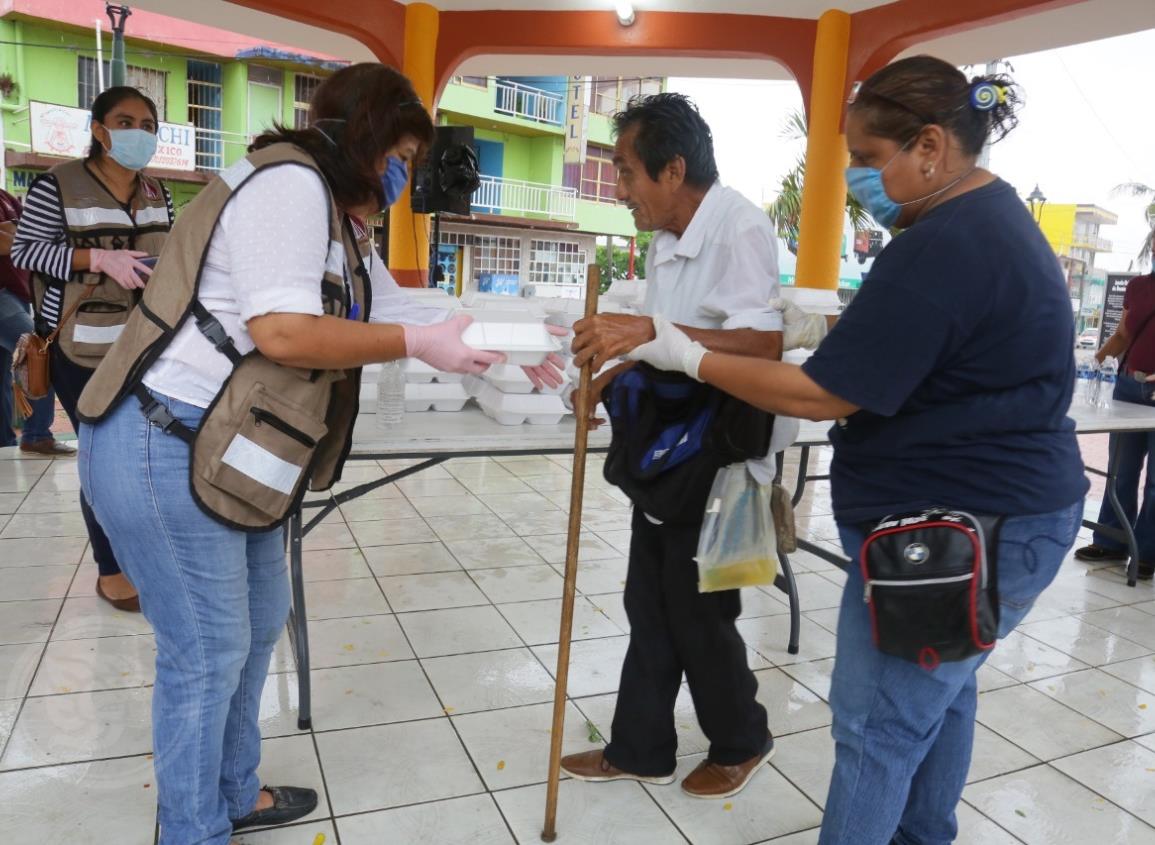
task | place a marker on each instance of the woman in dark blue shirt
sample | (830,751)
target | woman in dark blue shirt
(950,376)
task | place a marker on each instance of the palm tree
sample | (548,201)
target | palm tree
(786,210)
(1139,189)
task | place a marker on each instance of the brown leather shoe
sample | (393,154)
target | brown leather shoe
(713,780)
(48,446)
(594,767)
(129,605)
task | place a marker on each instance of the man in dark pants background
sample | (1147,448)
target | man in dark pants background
(712,269)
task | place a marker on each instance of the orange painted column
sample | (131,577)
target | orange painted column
(824,192)
(409,232)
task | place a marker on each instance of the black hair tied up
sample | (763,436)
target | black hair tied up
(902,98)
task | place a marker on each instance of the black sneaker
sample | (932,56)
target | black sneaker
(289,804)
(1099,554)
(1146,570)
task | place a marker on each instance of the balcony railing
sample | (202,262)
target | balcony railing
(511,196)
(1092,242)
(529,103)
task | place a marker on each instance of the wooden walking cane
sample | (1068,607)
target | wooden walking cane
(577,489)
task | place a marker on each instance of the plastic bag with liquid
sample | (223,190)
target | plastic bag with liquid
(737,546)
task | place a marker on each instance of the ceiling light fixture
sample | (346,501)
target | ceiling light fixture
(625,10)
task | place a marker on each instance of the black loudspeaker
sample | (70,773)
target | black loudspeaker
(446,179)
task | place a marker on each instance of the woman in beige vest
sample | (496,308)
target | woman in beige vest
(268,262)
(87,222)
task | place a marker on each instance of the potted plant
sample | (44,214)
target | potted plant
(8,85)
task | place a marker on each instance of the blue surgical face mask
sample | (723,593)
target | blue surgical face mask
(866,184)
(394,180)
(132,148)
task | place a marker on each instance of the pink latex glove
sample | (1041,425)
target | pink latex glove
(440,346)
(121,266)
(551,371)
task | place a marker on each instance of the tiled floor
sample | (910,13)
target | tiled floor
(433,613)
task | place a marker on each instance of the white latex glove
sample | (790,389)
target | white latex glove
(671,349)
(549,372)
(801,330)
(121,266)
(440,346)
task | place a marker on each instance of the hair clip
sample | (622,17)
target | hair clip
(987,95)
(854,91)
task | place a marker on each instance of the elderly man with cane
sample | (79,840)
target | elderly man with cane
(711,269)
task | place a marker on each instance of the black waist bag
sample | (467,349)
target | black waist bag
(671,435)
(932,586)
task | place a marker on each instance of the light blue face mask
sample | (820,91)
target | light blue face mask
(394,179)
(866,185)
(132,148)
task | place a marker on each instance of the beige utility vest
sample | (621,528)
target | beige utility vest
(95,219)
(272,430)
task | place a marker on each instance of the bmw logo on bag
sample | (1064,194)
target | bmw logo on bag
(916,553)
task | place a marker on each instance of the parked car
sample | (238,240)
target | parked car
(1088,339)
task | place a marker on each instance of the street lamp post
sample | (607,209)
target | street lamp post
(117,14)
(1036,201)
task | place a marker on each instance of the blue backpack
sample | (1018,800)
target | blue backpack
(671,434)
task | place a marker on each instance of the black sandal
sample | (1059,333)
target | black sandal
(289,804)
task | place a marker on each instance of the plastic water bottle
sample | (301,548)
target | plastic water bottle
(1107,385)
(390,395)
(1094,384)
(1083,373)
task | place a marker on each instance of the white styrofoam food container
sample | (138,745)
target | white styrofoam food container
(419,372)
(524,344)
(517,408)
(439,397)
(500,302)
(434,296)
(510,378)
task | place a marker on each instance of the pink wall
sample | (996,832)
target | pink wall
(148,26)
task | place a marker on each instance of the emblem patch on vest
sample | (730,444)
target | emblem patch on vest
(151,191)
(359,230)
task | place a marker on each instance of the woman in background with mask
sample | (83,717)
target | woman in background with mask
(275,252)
(950,376)
(86,224)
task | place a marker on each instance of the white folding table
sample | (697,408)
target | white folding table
(1113,418)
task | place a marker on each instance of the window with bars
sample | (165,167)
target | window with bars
(556,262)
(496,256)
(304,87)
(204,111)
(148,81)
(609,96)
(599,175)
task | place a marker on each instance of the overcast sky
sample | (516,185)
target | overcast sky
(1087,126)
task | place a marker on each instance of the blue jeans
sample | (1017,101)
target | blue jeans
(15,320)
(1135,449)
(217,600)
(903,735)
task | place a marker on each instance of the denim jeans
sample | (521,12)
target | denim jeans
(217,600)
(1135,450)
(903,734)
(15,320)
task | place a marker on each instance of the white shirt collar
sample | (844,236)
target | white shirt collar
(690,244)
